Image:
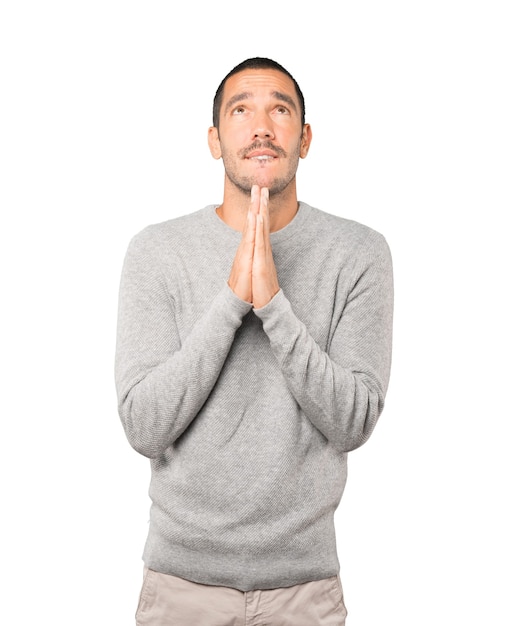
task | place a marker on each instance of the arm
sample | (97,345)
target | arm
(342,390)
(163,382)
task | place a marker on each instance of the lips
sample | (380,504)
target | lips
(261,155)
(262,152)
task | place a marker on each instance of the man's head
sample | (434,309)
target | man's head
(259,129)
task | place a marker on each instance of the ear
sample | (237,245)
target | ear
(306,140)
(213,140)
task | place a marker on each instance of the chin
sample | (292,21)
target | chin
(274,184)
(265,182)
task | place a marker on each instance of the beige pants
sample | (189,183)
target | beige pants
(169,601)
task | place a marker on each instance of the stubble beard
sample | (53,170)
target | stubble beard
(245,183)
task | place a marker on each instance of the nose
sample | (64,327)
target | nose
(263,127)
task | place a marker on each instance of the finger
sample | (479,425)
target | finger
(243,259)
(248,232)
(264,278)
(255,200)
(264,200)
(249,237)
(240,279)
(246,224)
(264,196)
(264,209)
(260,244)
(259,234)
(244,254)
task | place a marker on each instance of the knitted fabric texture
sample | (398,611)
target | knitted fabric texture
(248,414)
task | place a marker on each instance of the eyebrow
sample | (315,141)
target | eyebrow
(248,94)
(285,98)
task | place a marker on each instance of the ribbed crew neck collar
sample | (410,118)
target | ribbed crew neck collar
(224,230)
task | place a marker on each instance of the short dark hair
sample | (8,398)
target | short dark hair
(255,63)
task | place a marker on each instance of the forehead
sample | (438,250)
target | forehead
(259,83)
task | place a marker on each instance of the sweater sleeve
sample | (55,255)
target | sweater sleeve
(163,381)
(340,390)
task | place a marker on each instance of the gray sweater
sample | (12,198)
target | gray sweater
(248,414)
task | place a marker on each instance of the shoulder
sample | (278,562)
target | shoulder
(168,235)
(334,231)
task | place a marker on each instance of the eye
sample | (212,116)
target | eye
(238,110)
(281,109)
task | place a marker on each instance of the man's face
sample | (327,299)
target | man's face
(260,136)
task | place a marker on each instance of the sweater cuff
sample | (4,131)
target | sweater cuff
(273,311)
(232,303)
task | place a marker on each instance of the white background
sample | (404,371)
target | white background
(104,112)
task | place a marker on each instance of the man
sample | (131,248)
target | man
(254,348)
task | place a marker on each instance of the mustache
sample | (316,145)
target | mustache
(262,145)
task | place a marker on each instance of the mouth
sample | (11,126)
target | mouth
(263,153)
(262,159)
(261,156)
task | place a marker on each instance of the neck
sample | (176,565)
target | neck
(234,209)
